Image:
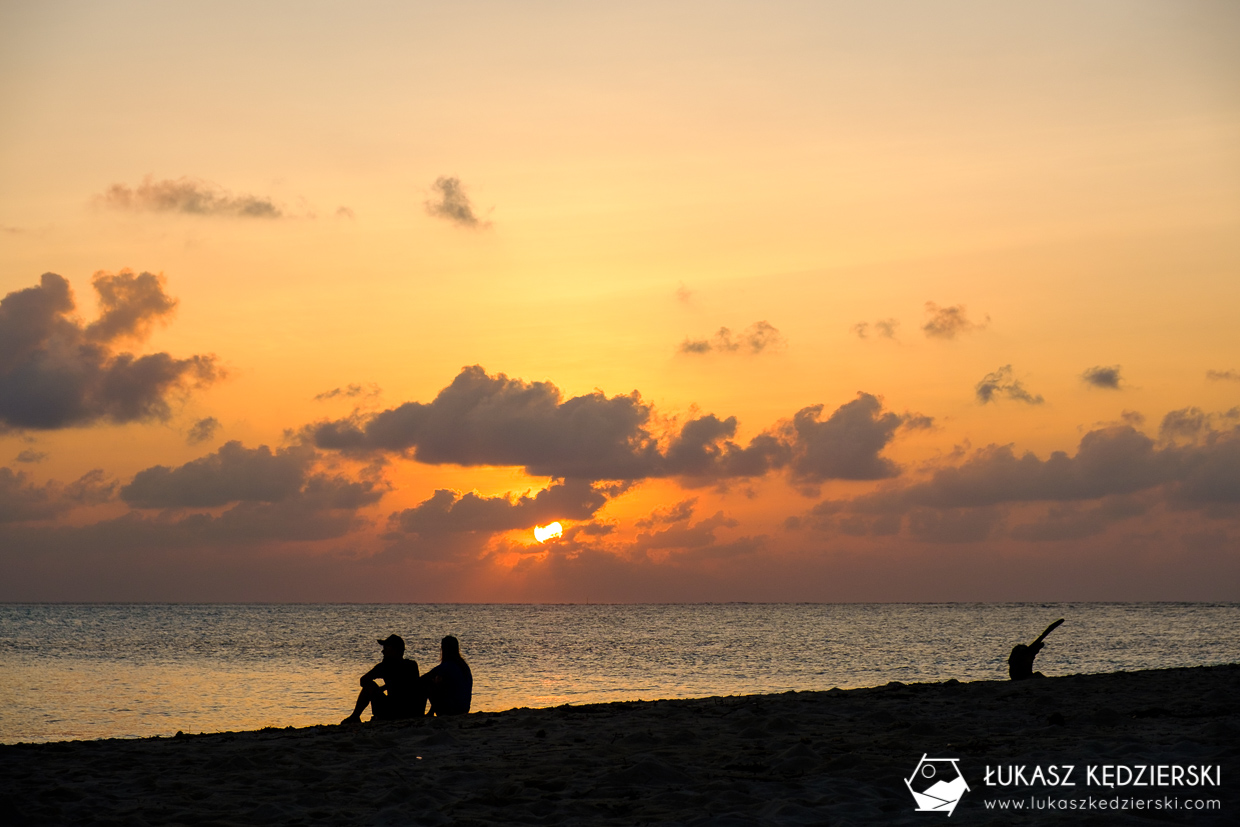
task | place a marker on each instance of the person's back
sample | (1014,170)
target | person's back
(400,696)
(402,687)
(450,685)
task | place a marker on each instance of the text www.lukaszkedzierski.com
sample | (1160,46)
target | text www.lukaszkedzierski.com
(1112,803)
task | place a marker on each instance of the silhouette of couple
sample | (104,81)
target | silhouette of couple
(449,686)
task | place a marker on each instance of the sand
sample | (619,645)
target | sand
(835,757)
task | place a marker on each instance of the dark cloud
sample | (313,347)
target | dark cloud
(274,495)
(756,338)
(189,196)
(452,204)
(883,328)
(22,500)
(916,422)
(847,445)
(203,430)
(1001,383)
(128,305)
(1070,521)
(953,525)
(683,535)
(448,512)
(1223,375)
(704,449)
(57,373)
(1111,466)
(1103,377)
(494,420)
(31,455)
(949,322)
(678,513)
(1184,424)
(345,212)
(348,392)
(233,473)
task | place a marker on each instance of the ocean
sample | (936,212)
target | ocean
(126,671)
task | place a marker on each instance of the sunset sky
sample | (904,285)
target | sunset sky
(817,301)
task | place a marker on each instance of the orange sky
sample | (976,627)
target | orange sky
(316,263)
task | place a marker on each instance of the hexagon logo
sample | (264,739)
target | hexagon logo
(937,784)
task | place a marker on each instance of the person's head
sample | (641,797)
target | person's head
(393,646)
(451,648)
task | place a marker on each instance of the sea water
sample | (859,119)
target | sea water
(119,670)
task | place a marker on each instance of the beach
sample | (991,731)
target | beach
(833,757)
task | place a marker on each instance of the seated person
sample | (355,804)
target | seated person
(1020,662)
(450,685)
(401,694)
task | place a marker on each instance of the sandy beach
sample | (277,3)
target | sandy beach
(834,757)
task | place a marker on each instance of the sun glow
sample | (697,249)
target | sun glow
(543,533)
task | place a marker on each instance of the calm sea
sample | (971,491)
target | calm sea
(96,671)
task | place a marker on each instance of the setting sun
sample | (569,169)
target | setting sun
(543,533)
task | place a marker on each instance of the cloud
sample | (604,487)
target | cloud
(452,204)
(30,455)
(348,392)
(756,338)
(1103,377)
(680,512)
(683,535)
(1223,375)
(128,305)
(495,420)
(1111,466)
(1073,522)
(683,294)
(57,373)
(203,430)
(1186,423)
(346,213)
(847,445)
(448,512)
(1001,383)
(233,473)
(949,322)
(273,495)
(883,328)
(189,196)
(22,500)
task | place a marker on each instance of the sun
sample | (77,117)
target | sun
(543,533)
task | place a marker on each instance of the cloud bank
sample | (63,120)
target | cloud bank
(481,420)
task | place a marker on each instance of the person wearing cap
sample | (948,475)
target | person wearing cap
(450,685)
(401,694)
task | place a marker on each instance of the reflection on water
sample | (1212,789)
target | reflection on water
(122,671)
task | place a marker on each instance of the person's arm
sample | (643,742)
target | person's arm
(375,672)
(1049,629)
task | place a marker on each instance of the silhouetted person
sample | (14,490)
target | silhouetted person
(1020,662)
(401,694)
(450,685)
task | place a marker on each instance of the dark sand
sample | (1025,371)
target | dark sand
(837,757)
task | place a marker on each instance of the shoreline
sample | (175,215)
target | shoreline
(839,755)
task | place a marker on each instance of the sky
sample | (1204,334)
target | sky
(760,301)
